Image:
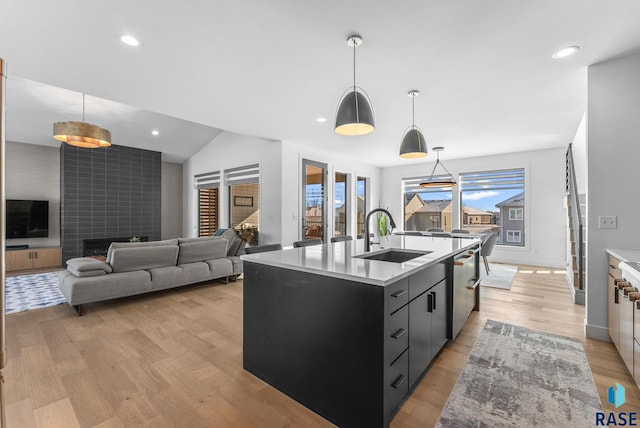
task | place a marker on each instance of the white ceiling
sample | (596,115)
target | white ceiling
(270,68)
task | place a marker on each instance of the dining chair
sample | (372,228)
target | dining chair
(262,248)
(487,248)
(342,238)
(460,231)
(307,243)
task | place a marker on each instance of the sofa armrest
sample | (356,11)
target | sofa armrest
(87,266)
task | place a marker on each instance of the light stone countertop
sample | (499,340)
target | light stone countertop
(625,255)
(337,259)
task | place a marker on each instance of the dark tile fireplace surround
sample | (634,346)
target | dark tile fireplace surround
(99,246)
(108,195)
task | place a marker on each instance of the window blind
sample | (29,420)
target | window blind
(207,211)
(494,180)
(242,175)
(207,180)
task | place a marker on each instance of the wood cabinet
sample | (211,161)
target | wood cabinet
(613,315)
(33,258)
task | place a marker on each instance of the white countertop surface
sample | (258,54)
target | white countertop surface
(337,259)
(625,255)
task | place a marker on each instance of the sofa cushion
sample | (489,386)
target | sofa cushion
(220,267)
(234,244)
(201,249)
(195,272)
(240,250)
(115,245)
(166,277)
(143,257)
(87,266)
(79,291)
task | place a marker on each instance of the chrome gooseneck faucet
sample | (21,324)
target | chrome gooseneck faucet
(367,242)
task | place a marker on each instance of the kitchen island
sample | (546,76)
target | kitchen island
(349,334)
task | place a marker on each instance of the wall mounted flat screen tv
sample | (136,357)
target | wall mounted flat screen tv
(27,219)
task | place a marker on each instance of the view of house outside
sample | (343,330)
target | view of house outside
(491,201)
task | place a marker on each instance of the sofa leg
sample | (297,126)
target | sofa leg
(78,309)
(226,279)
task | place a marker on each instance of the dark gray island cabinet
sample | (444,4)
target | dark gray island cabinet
(349,350)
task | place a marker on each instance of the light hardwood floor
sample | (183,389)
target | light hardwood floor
(174,359)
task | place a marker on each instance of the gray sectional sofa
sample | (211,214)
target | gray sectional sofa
(141,267)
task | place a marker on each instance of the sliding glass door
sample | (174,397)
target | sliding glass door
(314,200)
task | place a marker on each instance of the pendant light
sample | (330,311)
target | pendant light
(413,143)
(355,115)
(439,181)
(82,134)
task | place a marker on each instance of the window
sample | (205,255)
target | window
(207,211)
(494,201)
(513,236)
(244,201)
(515,213)
(341,209)
(362,201)
(207,185)
(426,208)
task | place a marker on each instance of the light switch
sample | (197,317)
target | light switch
(607,222)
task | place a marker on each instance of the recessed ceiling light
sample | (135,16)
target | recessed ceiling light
(155,132)
(569,50)
(321,119)
(129,40)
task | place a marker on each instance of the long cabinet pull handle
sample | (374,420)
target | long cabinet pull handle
(399,293)
(429,302)
(398,382)
(399,333)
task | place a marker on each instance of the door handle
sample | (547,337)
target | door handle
(399,293)
(430,305)
(399,333)
(398,382)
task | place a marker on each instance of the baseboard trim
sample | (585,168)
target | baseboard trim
(597,332)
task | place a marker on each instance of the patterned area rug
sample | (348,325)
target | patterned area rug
(516,377)
(26,292)
(500,276)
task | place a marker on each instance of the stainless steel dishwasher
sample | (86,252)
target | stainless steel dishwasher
(466,278)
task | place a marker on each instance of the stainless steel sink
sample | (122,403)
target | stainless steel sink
(393,255)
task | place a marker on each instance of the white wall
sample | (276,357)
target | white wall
(229,150)
(33,172)
(579,149)
(613,153)
(292,155)
(544,192)
(171,200)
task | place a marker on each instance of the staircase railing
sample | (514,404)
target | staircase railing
(572,191)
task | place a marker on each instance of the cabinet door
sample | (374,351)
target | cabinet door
(626,330)
(47,257)
(613,312)
(18,260)
(419,336)
(636,359)
(438,317)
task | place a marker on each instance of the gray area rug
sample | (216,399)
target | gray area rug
(500,276)
(516,377)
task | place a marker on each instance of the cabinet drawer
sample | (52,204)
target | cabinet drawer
(425,279)
(614,270)
(397,335)
(397,295)
(397,383)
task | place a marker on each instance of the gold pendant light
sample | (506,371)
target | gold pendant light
(82,134)
(355,115)
(439,181)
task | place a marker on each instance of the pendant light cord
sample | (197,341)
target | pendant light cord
(83,107)
(354,66)
(413,111)
(441,164)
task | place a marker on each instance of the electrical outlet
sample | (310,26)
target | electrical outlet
(607,222)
